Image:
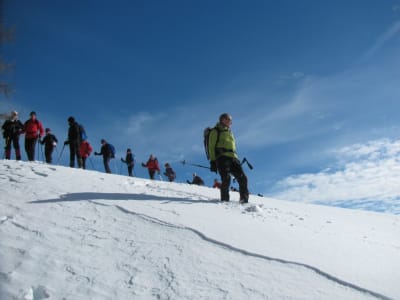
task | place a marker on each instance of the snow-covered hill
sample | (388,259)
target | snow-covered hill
(75,234)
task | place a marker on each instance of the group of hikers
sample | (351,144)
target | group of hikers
(220,144)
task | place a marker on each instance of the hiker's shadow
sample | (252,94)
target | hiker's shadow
(89,196)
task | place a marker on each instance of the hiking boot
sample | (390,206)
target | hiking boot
(224,200)
(243,201)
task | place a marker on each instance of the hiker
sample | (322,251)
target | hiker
(216,184)
(169,172)
(223,158)
(12,128)
(196,180)
(33,130)
(84,150)
(107,153)
(152,166)
(129,161)
(50,142)
(74,142)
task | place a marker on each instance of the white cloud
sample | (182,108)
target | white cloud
(364,171)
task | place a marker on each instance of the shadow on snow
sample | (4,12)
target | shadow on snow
(88,196)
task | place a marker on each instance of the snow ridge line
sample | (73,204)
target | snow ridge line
(248,253)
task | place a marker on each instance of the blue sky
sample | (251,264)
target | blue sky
(302,79)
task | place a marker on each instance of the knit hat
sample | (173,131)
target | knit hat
(102,141)
(47,130)
(32,113)
(71,119)
(225,116)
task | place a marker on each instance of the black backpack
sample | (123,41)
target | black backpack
(206,136)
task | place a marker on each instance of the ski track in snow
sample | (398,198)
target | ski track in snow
(135,268)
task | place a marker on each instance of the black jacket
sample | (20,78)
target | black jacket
(128,159)
(105,151)
(49,141)
(12,128)
(74,133)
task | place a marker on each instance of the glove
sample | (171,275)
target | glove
(96,153)
(213,166)
(66,142)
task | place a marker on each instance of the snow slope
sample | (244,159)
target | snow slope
(75,234)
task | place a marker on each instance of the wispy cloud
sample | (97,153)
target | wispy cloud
(383,40)
(363,171)
(171,134)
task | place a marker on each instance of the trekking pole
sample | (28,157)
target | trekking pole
(41,151)
(5,147)
(248,164)
(91,162)
(115,167)
(59,157)
(195,165)
(38,148)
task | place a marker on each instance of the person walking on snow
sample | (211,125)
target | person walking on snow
(152,166)
(74,141)
(50,142)
(33,130)
(169,172)
(196,180)
(12,128)
(129,161)
(84,150)
(107,155)
(223,158)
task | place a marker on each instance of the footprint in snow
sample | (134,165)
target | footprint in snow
(37,293)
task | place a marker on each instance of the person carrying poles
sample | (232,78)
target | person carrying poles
(33,130)
(107,154)
(12,129)
(129,161)
(224,159)
(169,172)
(50,142)
(74,141)
(152,166)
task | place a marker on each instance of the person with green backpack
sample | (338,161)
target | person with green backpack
(221,147)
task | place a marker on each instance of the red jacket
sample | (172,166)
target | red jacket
(33,129)
(152,164)
(85,149)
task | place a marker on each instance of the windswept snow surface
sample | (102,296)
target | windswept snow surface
(75,234)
